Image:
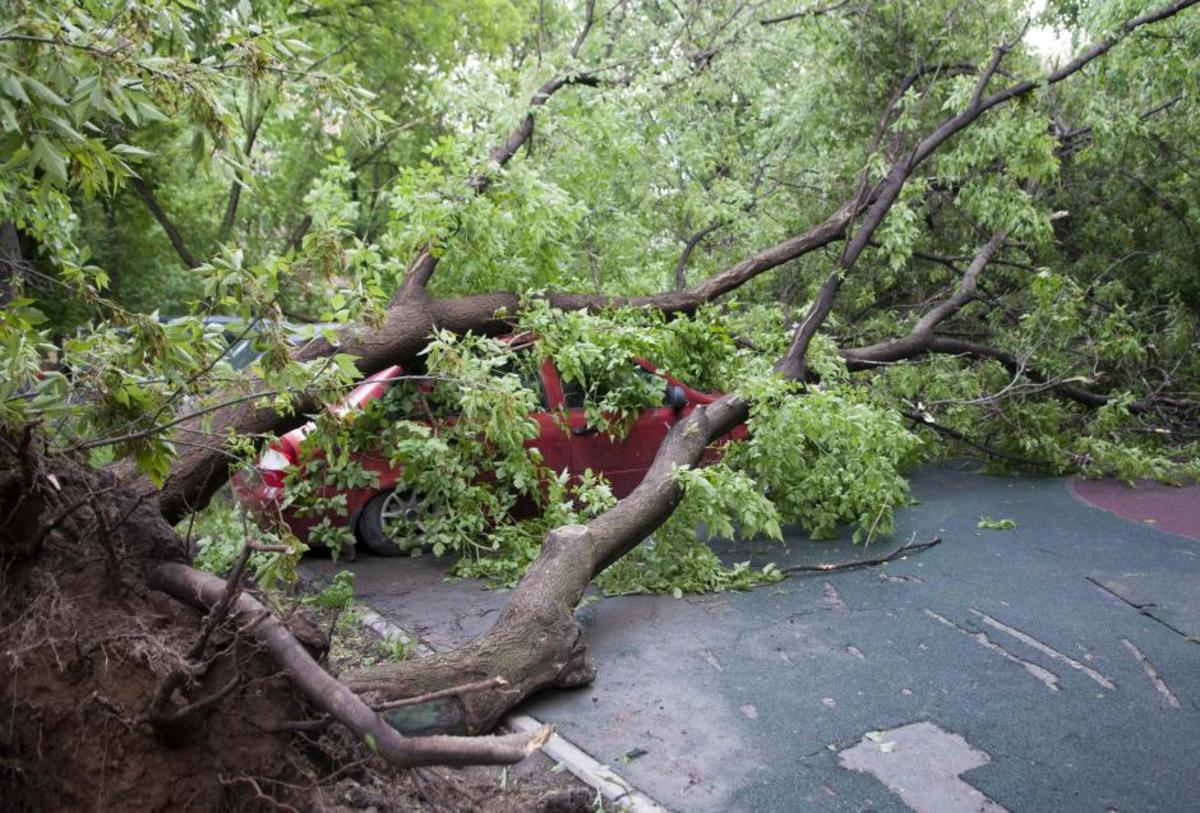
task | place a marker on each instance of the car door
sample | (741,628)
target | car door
(623,461)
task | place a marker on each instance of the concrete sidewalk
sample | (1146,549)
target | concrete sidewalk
(1049,667)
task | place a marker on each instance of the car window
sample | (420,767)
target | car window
(524,365)
(657,383)
(575,396)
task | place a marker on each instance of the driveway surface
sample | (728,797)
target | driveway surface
(1054,666)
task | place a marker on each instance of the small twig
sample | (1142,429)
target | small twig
(300,725)
(808,12)
(221,608)
(67,512)
(926,420)
(907,547)
(198,706)
(261,548)
(453,691)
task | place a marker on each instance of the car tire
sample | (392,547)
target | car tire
(391,524)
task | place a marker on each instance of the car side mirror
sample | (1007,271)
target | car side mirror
(676,398)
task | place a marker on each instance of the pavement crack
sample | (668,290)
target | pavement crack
(1144,609)
(1139,607)
(1039,673)
(1045,649)
(1152,673)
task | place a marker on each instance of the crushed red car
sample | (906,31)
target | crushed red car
(566,441)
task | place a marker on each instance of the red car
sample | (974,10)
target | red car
(566,441)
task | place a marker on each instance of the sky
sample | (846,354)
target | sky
(1050,43)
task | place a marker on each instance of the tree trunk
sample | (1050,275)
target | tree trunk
(11,263)
(535,643)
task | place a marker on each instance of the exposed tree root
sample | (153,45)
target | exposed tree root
(326,693)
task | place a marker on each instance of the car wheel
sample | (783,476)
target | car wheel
(392,523)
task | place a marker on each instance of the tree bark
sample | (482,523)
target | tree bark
(12,264)
(204,590)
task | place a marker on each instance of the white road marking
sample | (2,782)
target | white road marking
(1152,673)
(1043,675)
(1045,649)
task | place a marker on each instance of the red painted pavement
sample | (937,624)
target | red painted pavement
(1170,509)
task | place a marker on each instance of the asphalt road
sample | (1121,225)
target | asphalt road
(1053,666)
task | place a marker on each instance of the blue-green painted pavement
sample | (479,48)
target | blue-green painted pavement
(1028,643)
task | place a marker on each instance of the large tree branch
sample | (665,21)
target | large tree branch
(1016,367)
(922,340)
(421,270)
(921,337)
(914,345)
(981,104)
(589,14)
(688,248)
(147,195)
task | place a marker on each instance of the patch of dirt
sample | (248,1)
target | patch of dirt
(84,645)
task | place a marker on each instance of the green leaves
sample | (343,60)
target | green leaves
(46,155)
(997,524)
(828,457)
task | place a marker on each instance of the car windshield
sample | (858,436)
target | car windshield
(653,392)
(420,398)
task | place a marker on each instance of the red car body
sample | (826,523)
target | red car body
(565,441)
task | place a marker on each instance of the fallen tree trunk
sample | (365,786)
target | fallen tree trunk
(536,641)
